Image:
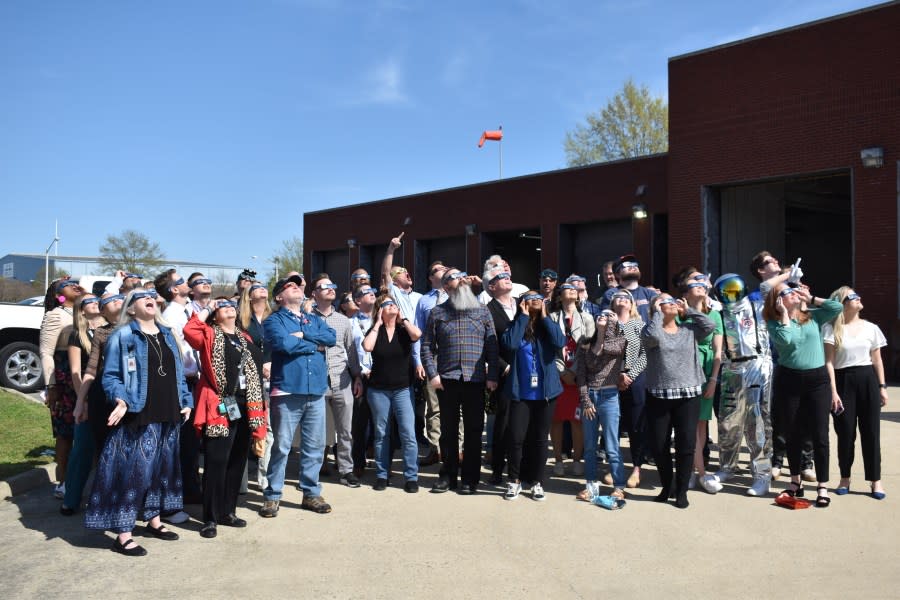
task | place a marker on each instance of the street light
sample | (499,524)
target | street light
(47,256)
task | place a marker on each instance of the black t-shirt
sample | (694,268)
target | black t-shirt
(162,404)
(391,360)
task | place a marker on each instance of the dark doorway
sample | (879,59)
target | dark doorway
(808,217)
(584,247)
(451,251)
(334,262)
(522,250)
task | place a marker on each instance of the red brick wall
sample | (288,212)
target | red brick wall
(801,101)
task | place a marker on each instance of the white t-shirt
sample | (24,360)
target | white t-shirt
(855,350)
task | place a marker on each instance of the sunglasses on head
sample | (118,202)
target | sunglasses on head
(200,281)
(143,294)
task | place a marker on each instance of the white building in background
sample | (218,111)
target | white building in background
(26,267)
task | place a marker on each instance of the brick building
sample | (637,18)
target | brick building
(766,144)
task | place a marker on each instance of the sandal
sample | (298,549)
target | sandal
(618,493)
(822,501)
(585,495)
(797,491)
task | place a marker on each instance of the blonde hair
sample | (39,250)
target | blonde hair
(837,324)
(125,318)
(245,309)
(80,324)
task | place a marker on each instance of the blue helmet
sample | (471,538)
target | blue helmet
(730,288)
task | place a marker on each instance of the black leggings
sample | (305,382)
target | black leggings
(858,389)
(804,401)
(663,415)
(529,426)
(224,461)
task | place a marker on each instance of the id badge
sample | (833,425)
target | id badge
(242,381)
(534,381)
(234,413)
(578,413)
(132,364)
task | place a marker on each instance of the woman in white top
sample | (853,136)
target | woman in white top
(853,358)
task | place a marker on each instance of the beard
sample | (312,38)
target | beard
(629,277)
(463,299)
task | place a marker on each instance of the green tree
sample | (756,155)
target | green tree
(633,123)
(289,257)
(130,251)
(38,283)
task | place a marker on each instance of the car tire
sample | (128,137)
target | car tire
(20,367)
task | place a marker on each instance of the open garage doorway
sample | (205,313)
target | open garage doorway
(804,216)
(522,250)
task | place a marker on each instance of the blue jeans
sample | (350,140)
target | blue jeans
(606,403)
(286,413)
(382,403)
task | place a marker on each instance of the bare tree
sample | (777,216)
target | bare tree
(130,251)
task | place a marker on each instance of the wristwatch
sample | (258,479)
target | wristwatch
(882,386)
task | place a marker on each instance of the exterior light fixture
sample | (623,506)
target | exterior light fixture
(872,157)
(639,211)
(351,243)
(471,229)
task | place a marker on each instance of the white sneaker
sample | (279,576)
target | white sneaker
(776,472)
(723,476)
(512,491)
(537,493)
(808,475)
(760,487)
(578,468)
(59,491)
(692,482)
(177,517)
(559,468)
(710,484)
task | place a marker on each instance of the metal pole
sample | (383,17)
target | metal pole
(501,158)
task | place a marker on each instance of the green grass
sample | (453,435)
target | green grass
(24,433)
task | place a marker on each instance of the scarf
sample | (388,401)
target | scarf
(256,414)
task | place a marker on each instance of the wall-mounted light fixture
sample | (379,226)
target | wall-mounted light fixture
(526,236)
(639,211)
(471,229)
(872,157)
(641,190)
(351,243)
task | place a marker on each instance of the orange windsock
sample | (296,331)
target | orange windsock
(496,135)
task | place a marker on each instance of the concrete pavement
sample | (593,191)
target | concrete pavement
(395,545)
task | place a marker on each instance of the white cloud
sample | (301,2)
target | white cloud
(383,84)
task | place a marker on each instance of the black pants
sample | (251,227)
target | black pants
(98,415)
(632,406)
(359,429)
(500,433)
(779,435)
(224,461)
(662,416)
(859,392)
(804,401)
(529,426)
(189,456)
(467,396)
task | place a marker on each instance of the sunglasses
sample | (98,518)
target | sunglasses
(622,297)
(457,275)
(567,286)
(533,297)
(436,269)
(399,272)
(629,265)
(89,300)
(770,261)
(144,294)
(696,285)
(200,281)
(108,299)
(327,286)
(225,304)
(359,276)
(500,276)
(667,301)
(388,303)
(177,282)
(257,286)
(66,283)
(786,291)
(575,278)
(346,299)
(851,297)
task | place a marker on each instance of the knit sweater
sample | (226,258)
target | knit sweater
(599,368)
(672,358)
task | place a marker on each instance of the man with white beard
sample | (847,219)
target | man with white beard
(458,340)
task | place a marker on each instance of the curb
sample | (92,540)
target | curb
(27,481)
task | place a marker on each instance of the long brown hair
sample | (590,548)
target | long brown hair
(770,313)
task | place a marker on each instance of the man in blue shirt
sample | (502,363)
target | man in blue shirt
(298,340)
(628,274)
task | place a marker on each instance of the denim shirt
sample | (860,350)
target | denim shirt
(125,344)
(297,365)
(549,341)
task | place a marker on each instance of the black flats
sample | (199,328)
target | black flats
(161,532)
(129,548)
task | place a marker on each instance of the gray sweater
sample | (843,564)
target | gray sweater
(672,359)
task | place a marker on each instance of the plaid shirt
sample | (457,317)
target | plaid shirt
(457,344)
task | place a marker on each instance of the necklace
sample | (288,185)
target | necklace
(157,348)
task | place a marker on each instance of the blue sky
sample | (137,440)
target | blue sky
(212,126)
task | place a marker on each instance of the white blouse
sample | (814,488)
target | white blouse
(855,350)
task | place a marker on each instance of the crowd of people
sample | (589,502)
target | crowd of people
(147,377)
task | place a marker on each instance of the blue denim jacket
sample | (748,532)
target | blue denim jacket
(131,386)
(297,365)
(550,340)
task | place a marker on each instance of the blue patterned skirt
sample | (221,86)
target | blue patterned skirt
(139,474)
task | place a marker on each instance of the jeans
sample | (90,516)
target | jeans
(382,403)
(287,412)
(606,403)
(81,459)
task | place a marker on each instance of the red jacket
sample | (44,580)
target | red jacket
(200,336)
